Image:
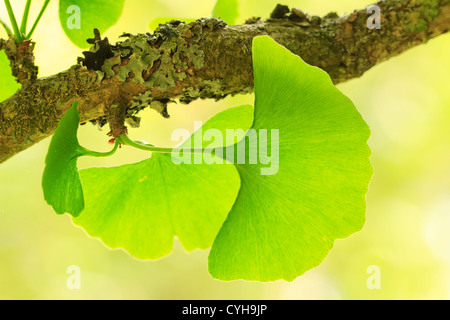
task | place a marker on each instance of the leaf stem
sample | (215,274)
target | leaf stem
(148,147)
(26,11)
(7,29)
(125,140)
(91,153)
(37,19)
(15,27)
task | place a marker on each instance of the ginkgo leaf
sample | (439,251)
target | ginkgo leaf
(79,17)
(8,84)
(61,182)
(289,211)
(141,207)
(226,10)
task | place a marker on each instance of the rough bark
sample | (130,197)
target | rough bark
(206,59)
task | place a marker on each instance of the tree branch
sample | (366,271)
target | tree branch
(206,59)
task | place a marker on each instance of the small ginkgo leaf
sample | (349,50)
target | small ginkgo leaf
(61,182)
(8,84)
(141,207)
(290,210)
(79,17)
(226,10)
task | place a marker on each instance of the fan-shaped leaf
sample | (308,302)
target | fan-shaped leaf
(284,224)
(61,182)
(141,207)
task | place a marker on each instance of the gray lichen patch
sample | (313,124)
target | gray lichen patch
(160,59)
(208,89)
(194,55)
(158,106)
(109,64)
(140,101)
(144,100)
(166,75)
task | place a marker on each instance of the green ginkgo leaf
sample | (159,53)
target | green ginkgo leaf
(235,120)
(61,182)
(141,207)
(8,84)
(289,211)
(226,10)
(80,17)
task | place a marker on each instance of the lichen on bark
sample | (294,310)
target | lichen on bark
(158,61)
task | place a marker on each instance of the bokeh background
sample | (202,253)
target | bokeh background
(405,101)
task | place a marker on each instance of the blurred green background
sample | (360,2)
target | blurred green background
(405,101)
